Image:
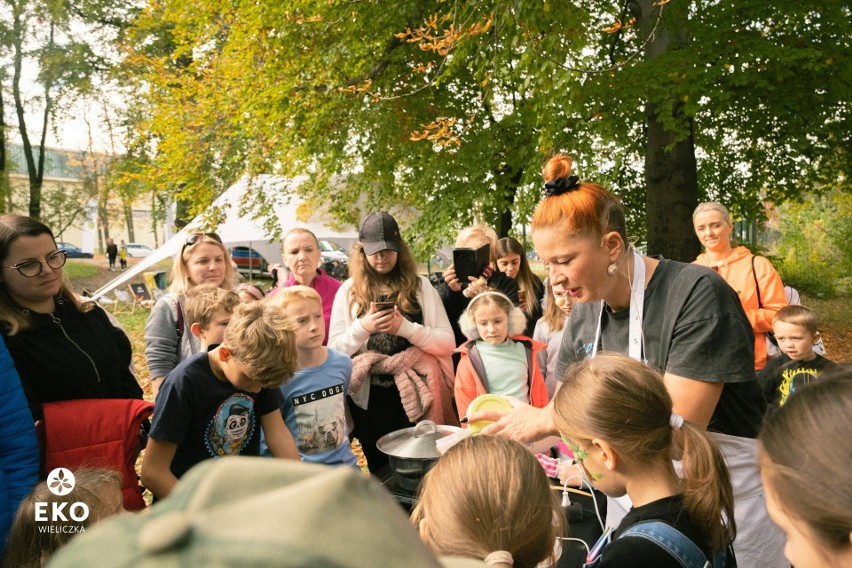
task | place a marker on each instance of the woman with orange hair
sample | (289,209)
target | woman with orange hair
(682,319)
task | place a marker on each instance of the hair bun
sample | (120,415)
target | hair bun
(559,166)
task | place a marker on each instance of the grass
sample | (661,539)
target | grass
(76,269)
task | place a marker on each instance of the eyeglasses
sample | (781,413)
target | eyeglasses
(32,268)
(194,238)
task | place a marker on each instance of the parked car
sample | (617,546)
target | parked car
(72,251)
(138,250)
(329,252)
(244,257)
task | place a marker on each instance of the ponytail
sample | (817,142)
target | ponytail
(707,493)
(625,402)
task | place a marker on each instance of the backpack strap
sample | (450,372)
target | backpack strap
(179,327)
(756,285)
(681,548)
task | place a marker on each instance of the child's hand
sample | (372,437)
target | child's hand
(569,471)
(377,321)
(451,279)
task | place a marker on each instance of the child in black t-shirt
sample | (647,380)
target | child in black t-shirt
(795,329)
(209,405)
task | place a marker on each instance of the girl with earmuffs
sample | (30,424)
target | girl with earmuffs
(496,359)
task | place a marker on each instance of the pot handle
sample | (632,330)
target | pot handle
(423,428)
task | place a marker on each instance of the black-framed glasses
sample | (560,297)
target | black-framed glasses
(32,268)
(194,238)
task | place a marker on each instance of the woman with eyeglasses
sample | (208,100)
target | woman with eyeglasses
(203,259)
(64,349)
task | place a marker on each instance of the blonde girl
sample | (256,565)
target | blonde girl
(512,261)
(805,460)
(203,259)
(548,330)
(32,543)
(386,308)
(616,415)
(488,498)
(497,358)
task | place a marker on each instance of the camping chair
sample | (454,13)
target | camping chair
(124,302)
(141,295)
(96,433)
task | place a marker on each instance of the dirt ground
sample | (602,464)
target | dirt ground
(834,315)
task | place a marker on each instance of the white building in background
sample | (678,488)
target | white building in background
(68,205)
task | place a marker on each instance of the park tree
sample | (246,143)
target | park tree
(63,45)
(447,110)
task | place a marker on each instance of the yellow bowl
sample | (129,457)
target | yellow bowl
(486,402)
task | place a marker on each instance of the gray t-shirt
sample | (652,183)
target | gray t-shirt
(694,326)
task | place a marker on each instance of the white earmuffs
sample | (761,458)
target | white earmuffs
(467,323)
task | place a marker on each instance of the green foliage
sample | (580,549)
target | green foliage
(813,243)
(445,111)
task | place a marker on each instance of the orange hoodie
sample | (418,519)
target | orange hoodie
(737,271)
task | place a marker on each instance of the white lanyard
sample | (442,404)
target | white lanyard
(637,306)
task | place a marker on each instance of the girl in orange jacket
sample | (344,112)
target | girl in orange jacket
(496,360)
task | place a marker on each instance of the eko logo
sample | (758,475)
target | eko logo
(60,482)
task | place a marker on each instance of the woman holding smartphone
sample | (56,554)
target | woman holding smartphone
(387,308)
(457,294)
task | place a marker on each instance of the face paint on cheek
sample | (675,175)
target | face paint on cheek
(579,454)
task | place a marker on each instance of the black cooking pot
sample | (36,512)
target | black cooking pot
(412,451)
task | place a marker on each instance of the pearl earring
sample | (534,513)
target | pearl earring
(611,268)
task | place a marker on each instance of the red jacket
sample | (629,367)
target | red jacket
(470,385)
(97,433)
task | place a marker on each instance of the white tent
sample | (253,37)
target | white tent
(241,227)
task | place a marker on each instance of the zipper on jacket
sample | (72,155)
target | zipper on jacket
(58,322)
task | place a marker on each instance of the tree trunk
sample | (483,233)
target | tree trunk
(35,172)
(671,173)
(128,219)
(505,216)
(5,184)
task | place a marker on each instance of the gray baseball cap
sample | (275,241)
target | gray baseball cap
(259,512)
(379,232)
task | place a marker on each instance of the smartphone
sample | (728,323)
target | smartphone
(381,306)
(470,262)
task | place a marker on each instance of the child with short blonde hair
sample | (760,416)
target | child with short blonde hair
(32,542)
(487,498)
(795,329)
(208,310)
(209,406)
(497,359)
(314,401)
(616,415)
